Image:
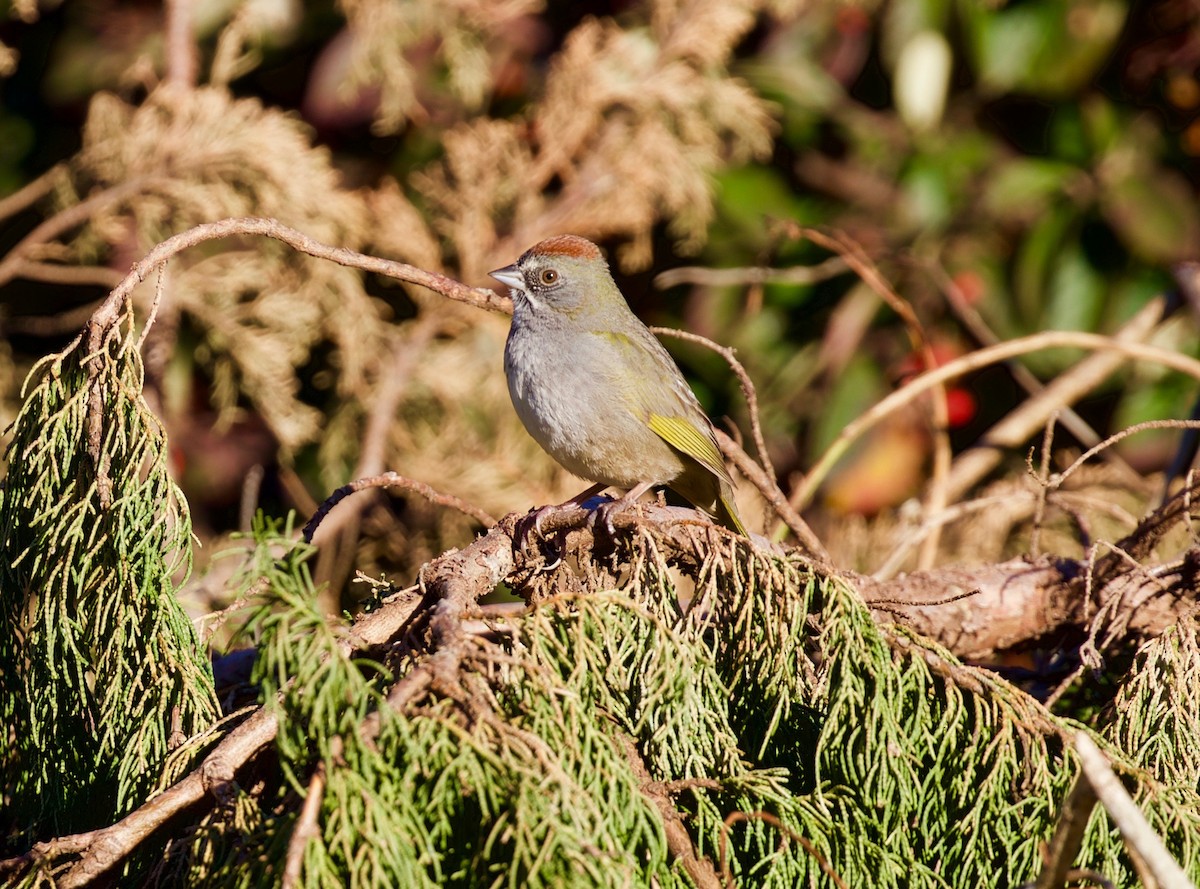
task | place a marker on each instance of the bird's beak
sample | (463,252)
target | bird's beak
(510,275)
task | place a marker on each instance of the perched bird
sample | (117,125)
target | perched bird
(597,390)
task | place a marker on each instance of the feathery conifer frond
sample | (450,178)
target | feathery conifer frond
(386,34)
(767,693)
(1156,721)
(632,123)
(262,311)
(101,672)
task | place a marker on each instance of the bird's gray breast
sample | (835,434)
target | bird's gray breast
(568,391)
(552,386)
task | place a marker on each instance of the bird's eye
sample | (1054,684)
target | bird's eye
(548,276)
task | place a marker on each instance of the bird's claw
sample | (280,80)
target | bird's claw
(607,511)
(529,523)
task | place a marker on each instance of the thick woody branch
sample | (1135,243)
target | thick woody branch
(981,611)
(679,842)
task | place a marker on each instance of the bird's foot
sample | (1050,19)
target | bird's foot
(607,511)
(530,524)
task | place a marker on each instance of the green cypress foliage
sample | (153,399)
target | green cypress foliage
(677,709)
(792,734)
(101,672)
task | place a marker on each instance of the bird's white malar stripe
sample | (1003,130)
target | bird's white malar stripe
(533,303)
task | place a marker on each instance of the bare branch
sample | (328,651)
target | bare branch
(1157,867)
(678,841)
(757,275)
(977,327)
(31,193)
(272,228)
(856,257)
(1068,836)
(966,364)
(71,275)
(747,384)
(306,825)
(406,351)
(1067,388)
(1120,436)
(773,495)
(105,849)
(63,222)
(394,480)
(181,53)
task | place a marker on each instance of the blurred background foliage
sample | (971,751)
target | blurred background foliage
(1010,167)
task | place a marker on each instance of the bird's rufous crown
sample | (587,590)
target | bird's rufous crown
(567,245)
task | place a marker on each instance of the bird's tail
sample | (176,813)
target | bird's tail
(727,514)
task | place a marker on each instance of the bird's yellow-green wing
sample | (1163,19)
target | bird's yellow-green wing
(684,435)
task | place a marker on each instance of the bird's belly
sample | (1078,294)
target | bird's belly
(578,419)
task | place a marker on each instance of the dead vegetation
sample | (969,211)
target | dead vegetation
(710,710)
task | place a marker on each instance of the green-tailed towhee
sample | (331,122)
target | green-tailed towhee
(596,389)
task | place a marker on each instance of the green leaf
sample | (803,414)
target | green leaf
(1045,47)
(1155,215)
(1021,188)
(1035,260)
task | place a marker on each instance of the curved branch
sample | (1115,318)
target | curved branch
(62,222)
(393,480)
(992,355)
(273,228)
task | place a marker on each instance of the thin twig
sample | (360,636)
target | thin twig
(1119,436)
(1024,421)
(756,275)
(306,825)
(30,194)
(734,817)
(679,842)
(773,495)
(978,328)
(273,228)
(1068,835)
(152,314)
(251,489)
(910,603)
(1161,869)
(71,275)
(1044,484)
(66,220)
(209,623)
(747,384)
(967,363)
(405,353)
(937,496)
(64,322)
(181,52)
(394,480)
